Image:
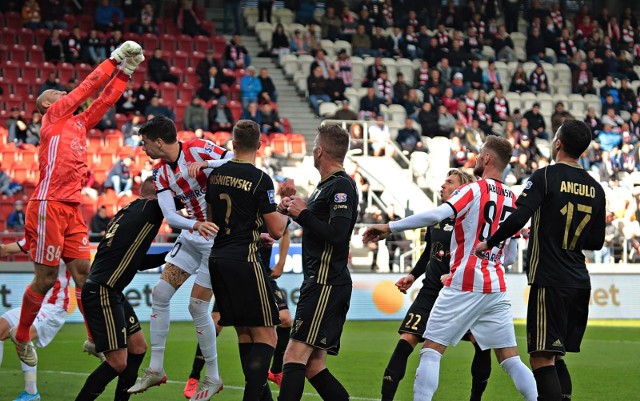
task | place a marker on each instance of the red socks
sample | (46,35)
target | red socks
(31,303)
(78,293)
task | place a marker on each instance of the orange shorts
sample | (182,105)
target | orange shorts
(55,230)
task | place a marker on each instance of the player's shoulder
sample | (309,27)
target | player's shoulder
(203,144)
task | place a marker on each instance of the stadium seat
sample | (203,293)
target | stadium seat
(201,44)
(18,53)
(82,71)
(236,109)
(279,144)
(149,41)
(168,42)
(180,60)
(168,92)
(219,44)
(10,71)
(41,36)
(25,37)
(327,109)
(66,71)
(184,43)
(113,139)
(297,145)
(186,92)
(8,156)
(8,36)
(132,36)
(28,156)
(221,138)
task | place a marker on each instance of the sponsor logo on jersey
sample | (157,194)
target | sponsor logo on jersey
(340,198)
(155,174)
(271,193)
(209,147)
(448,227)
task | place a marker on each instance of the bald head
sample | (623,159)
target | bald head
(47,98)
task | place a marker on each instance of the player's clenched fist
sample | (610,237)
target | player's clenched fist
(405,283)
(376,233)
(131,63)
(127,49)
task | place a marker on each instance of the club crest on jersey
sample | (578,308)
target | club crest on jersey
(456,192)
(272,195)
(340,198)
(155,174)
(528,185)
(448,227)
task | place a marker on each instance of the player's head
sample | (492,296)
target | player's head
(331,144)
(156,134)
(455,179)
(246,136)
(148,189)
(495,152)
(47,98)
(573,138)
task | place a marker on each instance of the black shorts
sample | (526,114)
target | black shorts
(415,321)
(243,294)
(320,315)
(556,318)
(110,317)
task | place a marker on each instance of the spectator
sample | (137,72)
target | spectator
(611,238)
(297,44)
(594,155)
(330,24)
(280,42)
(204,66)
(312,37)
(473,76)
(343,66)
(268,92)
(400,90)
(211,88)
(220,117)
(155,108)
(625,161)
(450,101)
(130,130)
(99,224)
(321,61)
(413,104)
(232,7)
(472,44)
(264,10)
(270,120)
(627,97)
(582,80)
(195,115)
(379,43)
(146,172)
(538,80)
(95,51)
(147,20)
(457,86)
(317,88)
(458,153)
(108,120)
(559,116)
(105,15)
(114,41)
(421,78)
(434,53)
(522,169)
(143,95)
(380,137)
(120,178)
(188,22)
(446,122)
(17,126)
(7,185)
(485,121)
(53,47)
(613,119)
(535,46)
(53,12)
(609,138)
(252,113)
(593,122)
(345,112)
(536,122)
(463,115)
(503,46)
(73,46)
(236,55)
(250,86)
(159,69)
(15,221)
(566,48)
(369,105)
(361,42)
(446,72)
(383,88)
(349,24)
(33,129)
(31,16)
(499,107)
(458,57)
(491,77)
(606,171)
(428,120)
(127,102)
(409,138)
(335,86)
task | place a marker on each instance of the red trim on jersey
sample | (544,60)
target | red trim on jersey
(195,203)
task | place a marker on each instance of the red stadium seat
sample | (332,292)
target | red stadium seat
(184,43)
(132,36)
(219,44)
(6,88)
(208,25)
(195,58)
(89,208)
(186,92)
(279,144)
(21,87)
(13,100)
(18,53)
(149,41)
(179,108)
(186,135)
(8,156)
(191,78)
(29,157)
(46,68)
(236,109)
(13,20)
(168,42)
(168,92)
(10,71)
(180,60)
(170,28)
(202,43)
(20,174)
(30,72)
(286,124)
(82,71)
(140,74)
(113,140)
(41,36)
(25,37)
(222,137)
(36,54)
(66,71)
(297,145)
(8,36)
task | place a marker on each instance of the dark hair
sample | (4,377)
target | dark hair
(501,147)
(336,141)
(148,187)
(575,137)
(246,136)
(160,127)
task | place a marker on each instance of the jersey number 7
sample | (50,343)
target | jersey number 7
(568,211)
(490,211)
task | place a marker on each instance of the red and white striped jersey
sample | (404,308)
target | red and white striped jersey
(175,176)
(58,294)
(480,208)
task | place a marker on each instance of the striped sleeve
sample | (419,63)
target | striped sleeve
(160,179)
(461,198)
(206,150)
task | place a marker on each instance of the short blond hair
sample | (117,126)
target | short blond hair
(464,177)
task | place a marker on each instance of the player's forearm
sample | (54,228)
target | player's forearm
(152,260)
(284,243)
(110,95)
(336,232)
(70,103)
(168,207)
(424,219)
(510,226)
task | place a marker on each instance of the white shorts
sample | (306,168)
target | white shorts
(48,322)
(190,253)
(488,316)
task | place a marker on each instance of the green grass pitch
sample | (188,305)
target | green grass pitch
(607,369)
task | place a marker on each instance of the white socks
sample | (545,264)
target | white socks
(522,377)
(1,351)
(206,332)
(30,378)
(427,375)
(159,323)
